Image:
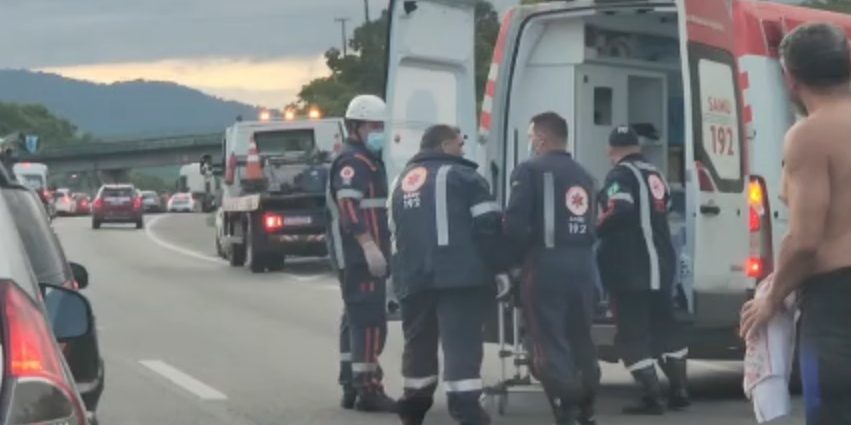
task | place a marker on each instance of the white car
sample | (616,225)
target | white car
(181,202)
(64,203)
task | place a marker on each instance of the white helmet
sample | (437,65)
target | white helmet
(367,107)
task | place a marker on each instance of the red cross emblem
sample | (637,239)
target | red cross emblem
(577,200)
(414,180)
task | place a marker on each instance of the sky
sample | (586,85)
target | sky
(256,51)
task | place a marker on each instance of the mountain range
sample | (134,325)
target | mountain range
(123,110)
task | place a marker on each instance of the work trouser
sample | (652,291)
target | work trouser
(558,312)
(647,329)
(363,329)
(454,318)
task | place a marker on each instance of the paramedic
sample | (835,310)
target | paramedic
(637,261)
(446,239)
(815,255)
(550,222)
(360,241)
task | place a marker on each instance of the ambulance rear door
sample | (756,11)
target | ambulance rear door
(715,158)
(430,76)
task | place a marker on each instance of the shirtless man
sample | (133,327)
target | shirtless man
(815,256)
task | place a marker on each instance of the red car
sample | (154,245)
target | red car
(84,203)
(118,203)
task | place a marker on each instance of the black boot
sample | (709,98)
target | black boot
(564,412)
(586,412)
(350,396)
(375,400)
(675,370)
(650,403)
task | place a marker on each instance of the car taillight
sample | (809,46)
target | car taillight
(137,203)
(273,222)
(41,388)
(98,204)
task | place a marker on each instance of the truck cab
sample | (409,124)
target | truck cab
(273,194)
(666,67)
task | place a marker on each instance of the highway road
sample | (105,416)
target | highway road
(189,340)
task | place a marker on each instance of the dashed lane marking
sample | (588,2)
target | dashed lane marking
(182,380)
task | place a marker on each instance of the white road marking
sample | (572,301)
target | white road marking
(182,380)
(172,247)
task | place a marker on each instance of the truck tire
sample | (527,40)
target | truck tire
(236,255)
(255,261)
(277,262)
(95,224)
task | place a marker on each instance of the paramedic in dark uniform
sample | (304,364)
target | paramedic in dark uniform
(637,265)
(360,243)
(550,219)
(446,239)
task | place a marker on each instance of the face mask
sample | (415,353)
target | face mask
(375,141)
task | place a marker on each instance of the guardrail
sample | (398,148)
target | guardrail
(129,147)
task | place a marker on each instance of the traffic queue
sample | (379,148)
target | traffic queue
(440,231)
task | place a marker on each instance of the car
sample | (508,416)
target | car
(37,320)
(84,203)
(64,202)
(51,267)
(181,202)
(118,203)
(151,201)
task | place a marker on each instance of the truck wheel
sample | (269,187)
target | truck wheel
(140,224)
(236,255)
(95,224)
(253,259)
(277,262)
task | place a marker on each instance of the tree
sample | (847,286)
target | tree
(362,71)
(36,119)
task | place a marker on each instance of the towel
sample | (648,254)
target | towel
(768,361)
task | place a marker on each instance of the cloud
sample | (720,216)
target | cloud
(271,83)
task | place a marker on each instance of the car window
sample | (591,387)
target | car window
(118,193)
(40,242)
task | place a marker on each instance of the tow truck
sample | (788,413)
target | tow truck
(261,221)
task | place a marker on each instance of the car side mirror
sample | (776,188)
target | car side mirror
(81,275)
(68,311)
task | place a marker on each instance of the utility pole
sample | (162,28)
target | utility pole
(342,22)
(366,10)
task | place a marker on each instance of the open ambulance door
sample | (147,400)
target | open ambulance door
(430,76)
(717,236)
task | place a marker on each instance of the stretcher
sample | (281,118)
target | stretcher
(505,329)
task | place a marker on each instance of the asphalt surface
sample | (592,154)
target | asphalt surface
(189,340)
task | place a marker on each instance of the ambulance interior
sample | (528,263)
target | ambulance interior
(600,71)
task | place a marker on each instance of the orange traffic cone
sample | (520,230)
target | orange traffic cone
(253,168)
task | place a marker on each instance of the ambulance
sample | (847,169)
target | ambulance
(668,67)
(768,113)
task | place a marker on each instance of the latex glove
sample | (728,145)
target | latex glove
(374,258)
(503,287)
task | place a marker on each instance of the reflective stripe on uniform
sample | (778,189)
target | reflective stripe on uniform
(391,224)
(465,385)
(681,354)
(364,367)
(336,236)
(641,364)
(484,208)
(647,226)
(420,383)
(349,194)
(345,357)
(440,207)
(623,196)
(549,211)
(373,203)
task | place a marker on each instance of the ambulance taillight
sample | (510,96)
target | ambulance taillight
(759,264)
